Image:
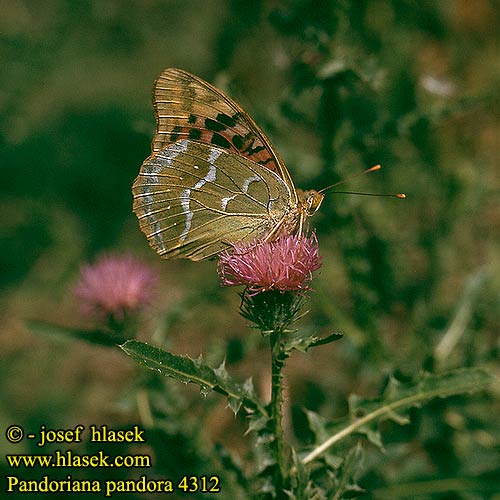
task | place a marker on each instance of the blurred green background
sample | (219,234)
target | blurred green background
(338,86)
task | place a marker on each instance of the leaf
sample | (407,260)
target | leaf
(333,337)
(100,337)
(300,480)
(322,429)
(230,464)
(195,371)
(304,341)
(398,397)
(346,487)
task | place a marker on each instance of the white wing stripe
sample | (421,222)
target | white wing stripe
(186,198)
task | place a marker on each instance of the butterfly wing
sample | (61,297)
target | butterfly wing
(192,199)
(187,107)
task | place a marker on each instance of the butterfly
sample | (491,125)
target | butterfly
(213,178)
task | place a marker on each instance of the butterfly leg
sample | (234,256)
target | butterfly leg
(275,231)
(286,225)
(302,218)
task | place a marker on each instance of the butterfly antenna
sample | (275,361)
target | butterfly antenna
(401,196)
(359,174)
(367,171)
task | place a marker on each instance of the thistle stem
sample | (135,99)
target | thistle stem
(278,362)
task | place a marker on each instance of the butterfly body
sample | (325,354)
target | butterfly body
(213,178)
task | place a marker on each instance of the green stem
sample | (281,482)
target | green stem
(278,362)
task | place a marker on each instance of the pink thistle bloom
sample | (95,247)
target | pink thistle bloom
(285,264)
(115,285)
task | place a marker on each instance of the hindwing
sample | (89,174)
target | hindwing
(193,199)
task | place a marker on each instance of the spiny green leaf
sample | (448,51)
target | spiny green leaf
(231,464)
(318,425)
(323,429)
(302,487)
(398,397)
(333,337)
(346,488)
(257,423)
(194,371)
(301,477)
(302,341)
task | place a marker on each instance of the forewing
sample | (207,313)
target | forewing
(187,107)
(193,199)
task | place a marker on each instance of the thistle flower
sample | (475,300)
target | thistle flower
(115,287)
(285,264)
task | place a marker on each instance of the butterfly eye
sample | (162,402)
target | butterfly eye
(315,200)
(311,201)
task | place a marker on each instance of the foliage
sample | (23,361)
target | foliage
(362,414)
